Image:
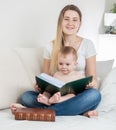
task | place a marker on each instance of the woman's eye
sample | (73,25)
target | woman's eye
(67,64)
(75,20)
(66,19)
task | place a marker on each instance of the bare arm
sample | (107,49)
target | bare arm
(46,65)
(91,70)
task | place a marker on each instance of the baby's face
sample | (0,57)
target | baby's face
(66,63)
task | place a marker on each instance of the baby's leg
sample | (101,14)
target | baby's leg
(55,98)
(43,99)
(15,106)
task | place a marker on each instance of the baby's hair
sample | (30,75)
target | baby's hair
(68,50)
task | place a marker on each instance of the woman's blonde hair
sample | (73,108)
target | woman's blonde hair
(58,43)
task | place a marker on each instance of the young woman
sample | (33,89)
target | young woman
(69,23)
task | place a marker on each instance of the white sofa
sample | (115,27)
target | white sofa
(18,67)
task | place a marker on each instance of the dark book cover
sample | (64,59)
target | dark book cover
(52,85)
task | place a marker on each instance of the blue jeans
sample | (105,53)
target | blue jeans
(79,104)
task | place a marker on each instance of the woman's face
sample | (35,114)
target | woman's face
(71,22)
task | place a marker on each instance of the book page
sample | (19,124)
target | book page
(51,80)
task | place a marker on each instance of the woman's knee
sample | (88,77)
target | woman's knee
(95,94)
(28,97)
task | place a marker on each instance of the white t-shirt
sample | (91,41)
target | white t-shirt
(85,51)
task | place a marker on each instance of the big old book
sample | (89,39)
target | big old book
(53,85)
(35,114)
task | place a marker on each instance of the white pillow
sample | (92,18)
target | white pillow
(108,91)
(13,78)
(32,60)
(103,68)
(18,68)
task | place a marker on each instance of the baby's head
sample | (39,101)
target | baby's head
(67,59)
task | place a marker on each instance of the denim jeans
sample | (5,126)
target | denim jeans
(79,104)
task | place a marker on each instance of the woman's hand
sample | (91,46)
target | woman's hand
(36,87)
(92,84)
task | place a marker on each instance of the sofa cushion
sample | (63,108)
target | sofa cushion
(104,67)
(18,68)
(31,59)
(108,91)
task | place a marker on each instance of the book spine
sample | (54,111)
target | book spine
(35,117)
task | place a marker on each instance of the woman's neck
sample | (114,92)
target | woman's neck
(73,41)
(70,39)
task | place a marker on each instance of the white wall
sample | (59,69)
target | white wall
(109,5)
(27,23)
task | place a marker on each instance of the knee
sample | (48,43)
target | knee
(95,95)
(27,98)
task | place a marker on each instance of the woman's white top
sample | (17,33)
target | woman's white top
(86,50)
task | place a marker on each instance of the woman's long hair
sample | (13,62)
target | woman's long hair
(58,43)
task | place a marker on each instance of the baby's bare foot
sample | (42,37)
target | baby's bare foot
(91,113)
(55,98)
(43,99)
(15,106)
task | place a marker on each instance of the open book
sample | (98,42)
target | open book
(52,85)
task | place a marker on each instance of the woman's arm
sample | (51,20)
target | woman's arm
(46,66)
(91,70)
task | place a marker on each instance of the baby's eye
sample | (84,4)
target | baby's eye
(67,64)
(60,64)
